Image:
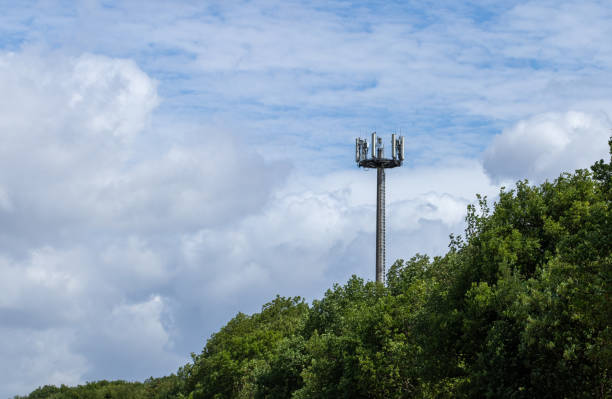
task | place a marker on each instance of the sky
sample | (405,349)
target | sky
(165,165)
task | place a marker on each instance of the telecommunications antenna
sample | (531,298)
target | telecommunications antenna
(373,157)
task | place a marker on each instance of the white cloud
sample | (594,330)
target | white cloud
(80,100)
(41,288)
(408,214)
(137,326)
(545,145)
(6,205)
(92,217)
(33,358)
(123,114)
(321,229)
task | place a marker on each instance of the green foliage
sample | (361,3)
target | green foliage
(519,307)
(241,352)
(284,376)
(153,388)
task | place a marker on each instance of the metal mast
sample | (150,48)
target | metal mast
(378,161)
(380,224)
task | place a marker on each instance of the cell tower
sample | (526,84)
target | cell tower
(378,161)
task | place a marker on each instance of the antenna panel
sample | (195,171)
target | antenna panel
(374,145)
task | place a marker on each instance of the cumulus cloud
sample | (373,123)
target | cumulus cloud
(545,145)
(32,357)
(92,217)
(322,229)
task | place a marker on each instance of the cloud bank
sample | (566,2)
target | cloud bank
(542,146)
(92,223)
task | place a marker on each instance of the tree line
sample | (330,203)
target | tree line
(519,307)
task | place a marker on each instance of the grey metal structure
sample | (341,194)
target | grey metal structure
(378,161)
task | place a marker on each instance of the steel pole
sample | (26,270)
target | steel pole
(380,225)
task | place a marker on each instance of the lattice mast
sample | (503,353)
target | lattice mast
(378,161)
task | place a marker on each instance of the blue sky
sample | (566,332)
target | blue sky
(166,165)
